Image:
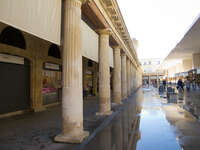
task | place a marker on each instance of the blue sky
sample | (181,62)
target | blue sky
(158,25)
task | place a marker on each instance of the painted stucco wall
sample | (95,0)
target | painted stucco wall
(90,42)
(38,17)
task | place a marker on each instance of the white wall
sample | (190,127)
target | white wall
(41,18)
(90,42)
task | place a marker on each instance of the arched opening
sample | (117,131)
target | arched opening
(54,51)
(12,36)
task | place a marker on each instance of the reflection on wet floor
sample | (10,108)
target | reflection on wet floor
(156,132)
(122,132)
(159,126)
(166,126)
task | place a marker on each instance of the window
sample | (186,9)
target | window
(90,63)
(54,51)
(13,37)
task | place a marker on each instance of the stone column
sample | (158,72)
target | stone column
(196,60)
(72,92)
(117,76)
(131,77)
(128,76)
(134,79)
(36,86)
(104,73)
(123,75)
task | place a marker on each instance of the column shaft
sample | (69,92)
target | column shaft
(123,75)
(104,74)
(72,98)
(131,77)
(128,76)
(117,76)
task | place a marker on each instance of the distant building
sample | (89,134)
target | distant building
(152,71)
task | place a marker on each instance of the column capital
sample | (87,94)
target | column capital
(106,31)
(128,58)
(116,47)
(123,54)
(75,3)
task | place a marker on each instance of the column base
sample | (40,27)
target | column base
(117,100)
(70,138)
(104,113)
(125,97)
(39,109)
(116,104)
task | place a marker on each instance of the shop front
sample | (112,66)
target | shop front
(14,83)
(90,78)
(52,79)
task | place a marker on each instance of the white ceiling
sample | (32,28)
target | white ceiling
(189,44)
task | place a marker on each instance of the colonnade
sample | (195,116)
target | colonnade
(72,99)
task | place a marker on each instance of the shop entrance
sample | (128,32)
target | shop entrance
(90,78)
(52,87)
(14,83)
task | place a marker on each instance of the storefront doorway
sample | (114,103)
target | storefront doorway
(52,80)
(90,78)
(14,83)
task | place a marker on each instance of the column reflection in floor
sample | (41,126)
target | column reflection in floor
(121,133)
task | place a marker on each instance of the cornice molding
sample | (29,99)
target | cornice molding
(112,9)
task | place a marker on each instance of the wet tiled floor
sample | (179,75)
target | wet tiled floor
(144,122)
(121,133)
(166,126)
(162,126)
(156,132)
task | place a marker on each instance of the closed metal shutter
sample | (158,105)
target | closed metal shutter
(14,87)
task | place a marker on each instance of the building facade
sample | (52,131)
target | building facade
(66,50)
(152,71)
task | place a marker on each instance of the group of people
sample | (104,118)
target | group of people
(180,84)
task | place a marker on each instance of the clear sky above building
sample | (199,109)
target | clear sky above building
(158,25)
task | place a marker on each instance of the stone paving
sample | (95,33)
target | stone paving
(35,131)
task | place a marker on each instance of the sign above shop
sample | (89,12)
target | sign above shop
(11,59)
(198,71)
(51,66)
(181,74)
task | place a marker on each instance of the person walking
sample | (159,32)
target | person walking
(164,84)
(187,84)
(180,88)
(180,84)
